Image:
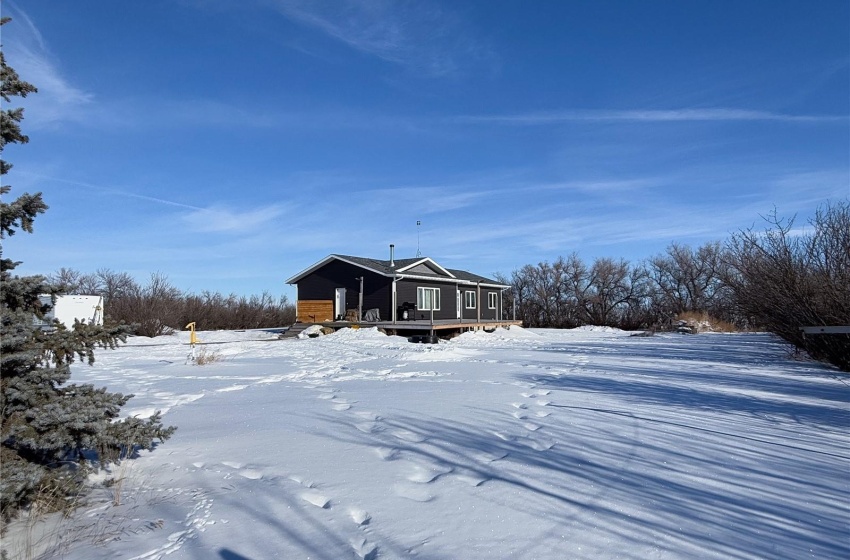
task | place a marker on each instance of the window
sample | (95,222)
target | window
(427,299)
(492,298)
(469,299)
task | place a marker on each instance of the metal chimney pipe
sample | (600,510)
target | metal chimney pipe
(392,251)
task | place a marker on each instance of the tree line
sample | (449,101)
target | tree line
(568,292)
(158,307)
(778,279)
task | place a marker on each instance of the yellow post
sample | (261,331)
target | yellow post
(193,339)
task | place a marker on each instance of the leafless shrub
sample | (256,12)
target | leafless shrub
(149,308)
(159,308)
(206,356)
(784,279)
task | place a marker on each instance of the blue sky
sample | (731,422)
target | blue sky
(230,144)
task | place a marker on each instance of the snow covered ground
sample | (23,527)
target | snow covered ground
(517,444)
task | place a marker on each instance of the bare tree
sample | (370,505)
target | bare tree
(784,279)
(114,285)
(687,279)
(609,291)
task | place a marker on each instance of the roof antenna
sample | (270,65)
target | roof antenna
(418,252)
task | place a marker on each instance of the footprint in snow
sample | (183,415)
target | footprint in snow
(407,435)
(367,427)
(387,453)
(363,548)
(537,445)
(317,499)
(489,456)
(251,474)
(360,516)
(367,415)
(412,491)
(472,478)
(342,406)
(305,482)
(424,474)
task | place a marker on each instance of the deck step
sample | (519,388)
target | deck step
(295,330)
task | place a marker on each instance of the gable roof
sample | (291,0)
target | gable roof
(404,268)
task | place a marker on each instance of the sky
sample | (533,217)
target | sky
(230,144)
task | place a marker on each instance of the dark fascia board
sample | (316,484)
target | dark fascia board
(454,281)
(426,260)
(398,274)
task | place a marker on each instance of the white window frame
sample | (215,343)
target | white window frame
(470,299)
(492,300)
(420,298)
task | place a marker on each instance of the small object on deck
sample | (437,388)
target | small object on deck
(406,311)
(372,315)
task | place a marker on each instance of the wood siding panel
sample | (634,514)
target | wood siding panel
(315,311)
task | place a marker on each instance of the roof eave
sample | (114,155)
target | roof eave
(453,280)
(309,270)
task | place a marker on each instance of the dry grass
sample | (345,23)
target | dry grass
(40,529)
(706,323)
(206,356)
(56,521)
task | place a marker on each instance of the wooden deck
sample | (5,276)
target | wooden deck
(444,327)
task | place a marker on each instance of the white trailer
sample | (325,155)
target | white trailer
(86,309)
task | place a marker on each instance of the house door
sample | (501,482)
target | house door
(339,303)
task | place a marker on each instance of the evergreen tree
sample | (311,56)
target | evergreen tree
(49,427)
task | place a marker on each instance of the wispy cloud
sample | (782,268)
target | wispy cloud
(807,187)
(600,185)
(106,190)
(219,219)
(26,50)
(215,218)
(647,115)
(412,34)
(439,199)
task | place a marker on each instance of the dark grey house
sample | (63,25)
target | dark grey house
(342,286)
